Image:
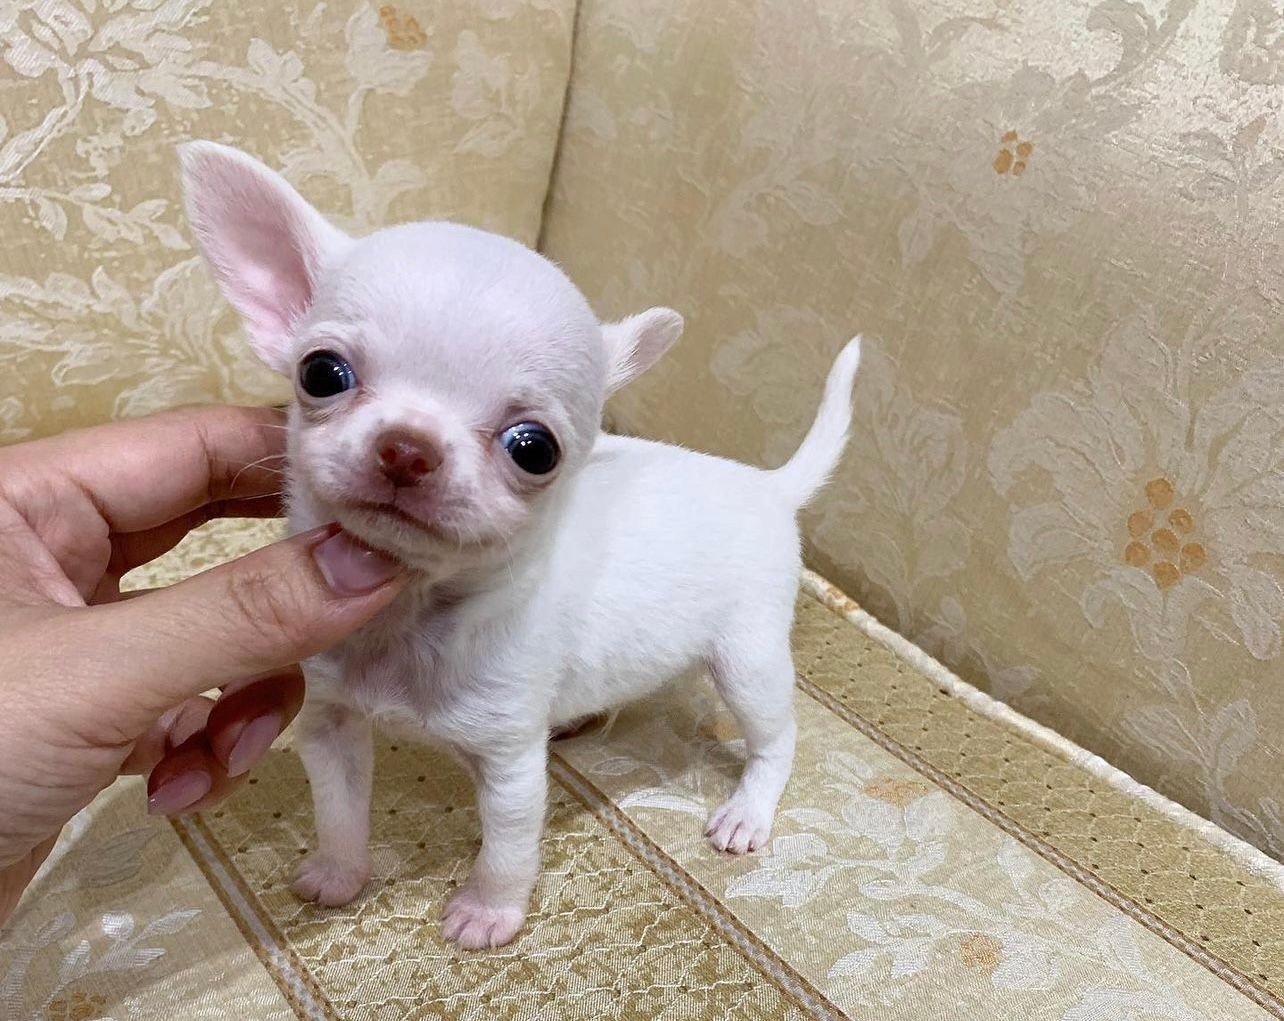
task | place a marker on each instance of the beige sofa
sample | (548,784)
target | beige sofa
(1057,227)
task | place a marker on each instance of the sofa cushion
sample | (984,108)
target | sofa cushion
(378,112)
(1058,226)
(935,855)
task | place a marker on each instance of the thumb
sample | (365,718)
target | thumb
(271,608)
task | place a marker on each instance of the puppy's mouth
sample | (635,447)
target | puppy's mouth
(391,510)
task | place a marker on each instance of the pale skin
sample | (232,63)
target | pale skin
(96,685)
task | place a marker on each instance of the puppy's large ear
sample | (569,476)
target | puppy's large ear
(636,343)
(263,241)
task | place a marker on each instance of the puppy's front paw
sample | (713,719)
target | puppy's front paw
(475,926)
(739,826)
(329,882)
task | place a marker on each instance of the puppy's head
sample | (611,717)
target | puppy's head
(447,380)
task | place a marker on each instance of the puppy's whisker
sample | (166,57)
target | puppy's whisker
(262,465)
(266,457)
(262,468)
(508,561)
(256,496)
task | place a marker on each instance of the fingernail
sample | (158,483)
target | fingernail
(256,738)
(351,569)
(179,734)
(181,792)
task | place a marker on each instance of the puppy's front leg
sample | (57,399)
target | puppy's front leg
(512,792)
(337,748)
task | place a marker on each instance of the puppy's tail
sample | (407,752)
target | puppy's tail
(804,474)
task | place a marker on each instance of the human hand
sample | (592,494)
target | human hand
(93,684)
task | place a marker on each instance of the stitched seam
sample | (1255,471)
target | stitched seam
(1229,974)
(766,961)
(560,140)
(281,963)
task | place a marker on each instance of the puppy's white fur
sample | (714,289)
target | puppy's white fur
(535,601)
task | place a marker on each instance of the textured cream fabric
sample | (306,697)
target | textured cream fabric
(378,112)
(126,927)
(884,891)
(1058,226)
(1055,223)
(929,860)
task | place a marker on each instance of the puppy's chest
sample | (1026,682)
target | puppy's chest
(408,672)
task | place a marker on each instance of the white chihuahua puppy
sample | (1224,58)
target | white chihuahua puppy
(450,386)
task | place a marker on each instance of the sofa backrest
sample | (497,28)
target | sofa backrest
(378,112)
(1059,227)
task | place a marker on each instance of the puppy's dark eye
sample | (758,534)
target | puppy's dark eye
(531,447)
(325,374)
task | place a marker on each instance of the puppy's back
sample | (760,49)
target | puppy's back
(660,548)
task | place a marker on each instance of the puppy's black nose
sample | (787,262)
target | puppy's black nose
(405,458)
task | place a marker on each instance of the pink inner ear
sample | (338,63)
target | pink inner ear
(263,274)
(268,274)
(262,240)
(639,341)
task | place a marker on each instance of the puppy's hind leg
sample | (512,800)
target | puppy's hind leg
(754,672)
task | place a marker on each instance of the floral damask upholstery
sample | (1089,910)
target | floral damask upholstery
(935,856)
(1056,226)
(379,113)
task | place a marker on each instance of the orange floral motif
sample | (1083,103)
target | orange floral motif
(1161,537)
(1014,154)
(404,31)
(896,792)
(77,1006)
(981,952)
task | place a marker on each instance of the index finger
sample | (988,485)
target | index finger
(144,472)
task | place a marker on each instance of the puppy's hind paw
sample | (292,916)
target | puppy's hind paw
(476,926)
(329,882)
(738,827)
